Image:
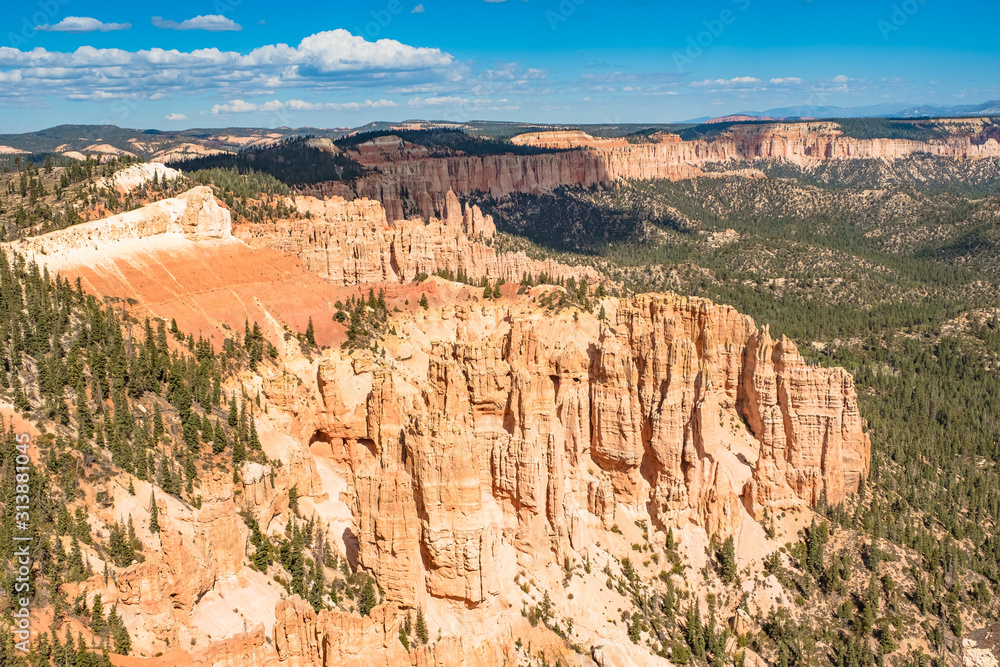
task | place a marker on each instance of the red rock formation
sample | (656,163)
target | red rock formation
(424,181)
(303,638)
(521,407)
(811,433)
(565,139)
(488,436)
(409,179)
(352,243)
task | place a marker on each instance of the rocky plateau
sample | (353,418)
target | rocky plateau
(480,439)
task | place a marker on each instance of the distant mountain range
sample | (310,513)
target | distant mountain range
(78,141)
(990,108)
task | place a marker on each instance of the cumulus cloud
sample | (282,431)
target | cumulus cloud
(83,24)
(333,60)
(738,81)
(419,9)
(234,106)
(242,106)
(438,101)
(457,103)
(173,117)
(840,78)
(786,81)
(210,22)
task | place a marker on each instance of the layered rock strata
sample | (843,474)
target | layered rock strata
(482,438)
(408,180)
(353,243)
(520,432)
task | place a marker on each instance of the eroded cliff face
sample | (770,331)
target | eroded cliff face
(410,181)
(496,431)
(800,143)
(353,243)
(480,439)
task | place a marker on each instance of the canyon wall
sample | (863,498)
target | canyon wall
(800,143)
(410,181)
(416,187)
(353,243)
(511,433)
(479,438)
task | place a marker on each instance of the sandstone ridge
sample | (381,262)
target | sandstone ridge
(352,243)
(476,439)
(408,177)
(195,215)
(518,434)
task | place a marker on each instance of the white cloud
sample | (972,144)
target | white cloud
(173,117)
(340,51)
(210,22)
(438,101)
(83,24)
(234,106)
(419,9)
(326,61)
(101,95)
(242,106)
(741,81)
(456,103)
(786,81)
(840,78)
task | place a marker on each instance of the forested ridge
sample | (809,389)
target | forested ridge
(293,161)
(885,282)
(894,279)
(117,400)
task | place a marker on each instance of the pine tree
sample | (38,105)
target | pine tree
(190,471)
(423,301)
(84,421)
(166,476)
(119,633)
(82,654)
(311,333)
(154,515)
(21,401)
(422,634)
(219,439)
(97,621)
(239,451)
(727,560)
(254,438)
(368,598)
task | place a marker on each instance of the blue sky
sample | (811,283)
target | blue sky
(213,63)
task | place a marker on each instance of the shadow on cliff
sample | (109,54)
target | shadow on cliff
(352,547)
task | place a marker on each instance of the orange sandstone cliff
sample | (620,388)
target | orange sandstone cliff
(408,179)
(477,441)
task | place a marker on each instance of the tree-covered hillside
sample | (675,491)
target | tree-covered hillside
(892,277)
